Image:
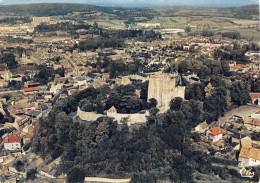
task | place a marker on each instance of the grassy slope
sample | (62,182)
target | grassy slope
(247,12)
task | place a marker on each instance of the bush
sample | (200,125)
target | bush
(76,175)
(31,174)
(19,166)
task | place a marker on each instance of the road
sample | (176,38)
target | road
(70,61)
(242,111)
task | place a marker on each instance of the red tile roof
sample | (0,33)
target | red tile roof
(3,67)
(238,66)
(30,89)
(72,44)
(254,95)
(216,131)
(29,111)
(241,65)
(73,92)
(30,135)
(13,139)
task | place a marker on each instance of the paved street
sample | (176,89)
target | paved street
(242,111)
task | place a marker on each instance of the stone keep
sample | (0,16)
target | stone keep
(164,88)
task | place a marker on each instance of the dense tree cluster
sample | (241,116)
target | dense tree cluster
(47,74)
(95,43)
(15,20)
(232,35)
(67,26)
(9,59)
(123,98)
(217,95)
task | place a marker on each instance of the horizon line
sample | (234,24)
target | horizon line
(134,5)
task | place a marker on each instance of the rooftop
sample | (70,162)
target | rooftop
(13,139)
(30,89)
(216,131)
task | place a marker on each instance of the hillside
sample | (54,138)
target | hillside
(56,9)
(245,12)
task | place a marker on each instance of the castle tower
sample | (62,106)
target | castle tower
(164,88)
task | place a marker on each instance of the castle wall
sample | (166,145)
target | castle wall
(88,116)
(131,118)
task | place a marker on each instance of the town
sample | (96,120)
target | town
(129,76)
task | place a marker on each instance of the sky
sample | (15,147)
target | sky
(142,3)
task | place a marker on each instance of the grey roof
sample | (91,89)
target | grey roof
(35,113)
(180,82)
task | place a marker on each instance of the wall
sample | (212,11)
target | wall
(88,116)
(131,118)
(106,180)
(255,115)
(12,146)
(253,162)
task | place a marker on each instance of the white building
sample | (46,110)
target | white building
(215,134)
(13,143)
(249,157)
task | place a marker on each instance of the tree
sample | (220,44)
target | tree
(209,90)
(9,59)
(76,175)
(203,72)
(31,174)
(19,166)
(175,104)
(187,29)
(183,67)
(152,102)
(239,94)
(196,137)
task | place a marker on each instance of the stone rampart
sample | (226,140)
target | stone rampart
(88,116)
(131,118)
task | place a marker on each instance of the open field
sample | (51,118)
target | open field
(116,24)
(243,22)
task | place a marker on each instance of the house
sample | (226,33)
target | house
(251,122)
(5,72)
(73,91)
(255,97)
(35,114)
(13,143)
(249,153)
(3,156)
(202,127)
(215,134)
(21,122)
(249,157)
(30,90)
(45,172)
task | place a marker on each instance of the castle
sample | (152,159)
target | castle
(164,88)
